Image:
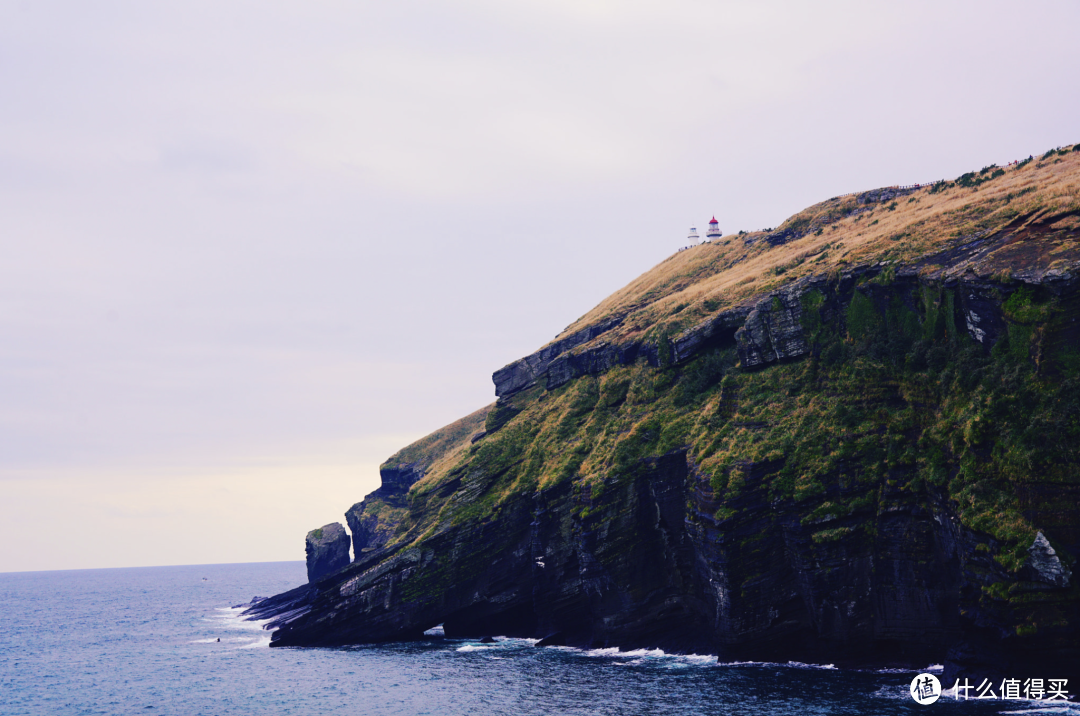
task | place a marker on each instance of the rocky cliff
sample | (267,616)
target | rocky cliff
(851,440)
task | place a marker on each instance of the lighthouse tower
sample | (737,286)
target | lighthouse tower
(693,237)
(714,229)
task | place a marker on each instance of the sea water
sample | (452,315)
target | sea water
(168,640)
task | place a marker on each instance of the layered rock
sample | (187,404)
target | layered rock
(648,564)
(525,372)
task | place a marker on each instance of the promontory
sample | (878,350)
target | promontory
(852,439)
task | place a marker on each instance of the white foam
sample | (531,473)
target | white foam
(230,618)
(641,656)
(259,644)
(788,665)
(474,647)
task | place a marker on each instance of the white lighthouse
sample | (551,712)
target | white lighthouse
(714,229)
(693,237)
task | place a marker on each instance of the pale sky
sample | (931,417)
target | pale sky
(251,249)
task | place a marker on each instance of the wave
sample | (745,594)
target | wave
(230,617)
(785,665)
(501,642)
(635,657)
(252,633)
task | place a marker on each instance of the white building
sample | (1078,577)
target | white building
(693,237)
(714,229)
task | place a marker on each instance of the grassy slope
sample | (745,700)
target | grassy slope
(443,444)
(904,400)
(691,284)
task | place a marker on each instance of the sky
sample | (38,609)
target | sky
(252,249)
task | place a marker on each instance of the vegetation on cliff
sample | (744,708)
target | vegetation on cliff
(880,364)
(894,388)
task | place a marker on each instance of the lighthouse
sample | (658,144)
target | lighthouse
(714,229)
(693,237)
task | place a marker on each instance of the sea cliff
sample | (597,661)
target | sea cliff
(853,439)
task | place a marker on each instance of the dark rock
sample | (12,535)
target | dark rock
(773,329)
(716,331)
(397,479)
(327,551)
(487,640)
(525,372)
(369,521)
(282,608)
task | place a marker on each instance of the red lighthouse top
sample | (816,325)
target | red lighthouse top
(714,221)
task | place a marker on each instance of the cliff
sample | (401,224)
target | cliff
(853,439)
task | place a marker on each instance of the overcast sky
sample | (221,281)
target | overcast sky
(251,249)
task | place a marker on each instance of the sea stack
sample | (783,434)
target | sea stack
(327,551)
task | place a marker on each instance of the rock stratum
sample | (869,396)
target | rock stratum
(854,439)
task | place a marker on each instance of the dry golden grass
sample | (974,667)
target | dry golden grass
(691,284)
(447,440)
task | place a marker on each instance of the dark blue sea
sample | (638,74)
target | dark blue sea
(146,641)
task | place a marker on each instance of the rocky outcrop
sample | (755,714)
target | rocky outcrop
(373,520)
(1045,563)
(595,360)
(884,194)
(525,372)
(717,331)
(773,329)
(327,551)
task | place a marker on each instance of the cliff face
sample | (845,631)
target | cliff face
(877,463)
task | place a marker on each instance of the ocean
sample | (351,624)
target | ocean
(168,640)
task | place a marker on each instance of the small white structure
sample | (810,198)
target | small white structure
(714,229)
(693,237)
